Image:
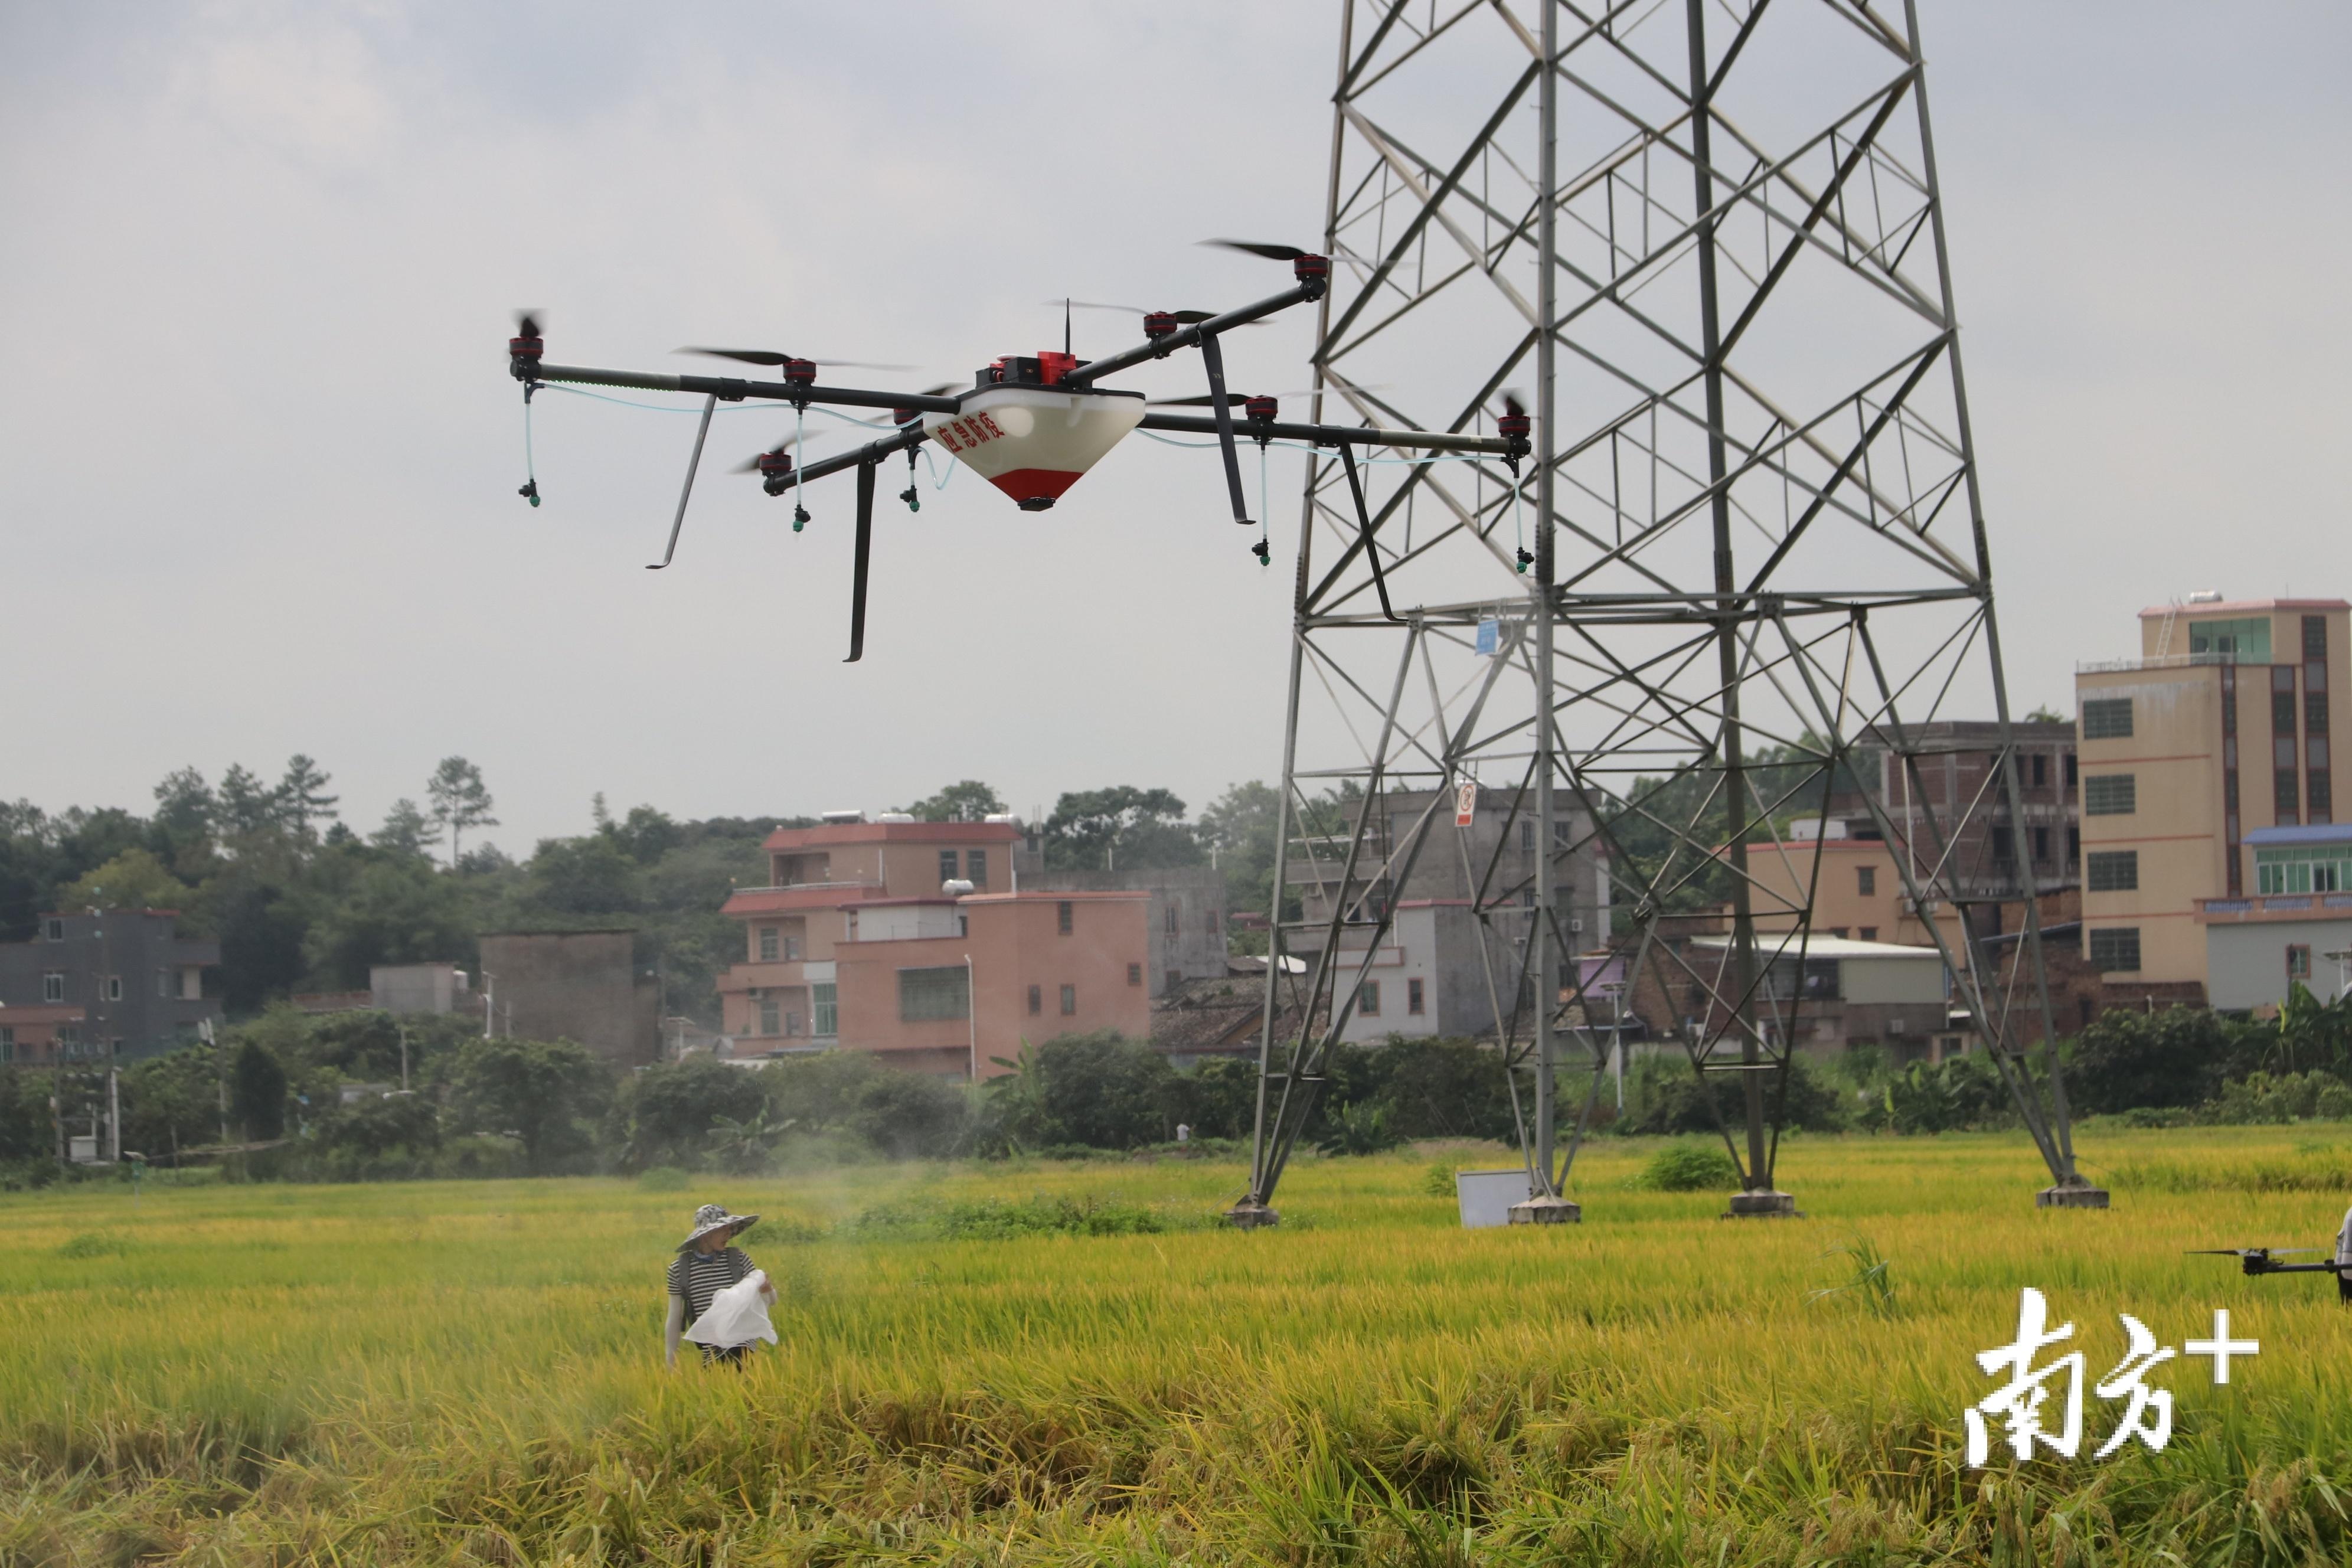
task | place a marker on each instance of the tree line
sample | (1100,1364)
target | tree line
(300,901)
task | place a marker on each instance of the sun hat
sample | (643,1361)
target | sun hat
(714,1216)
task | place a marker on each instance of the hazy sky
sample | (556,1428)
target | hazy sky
(259,450)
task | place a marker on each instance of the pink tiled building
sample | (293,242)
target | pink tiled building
(868,938)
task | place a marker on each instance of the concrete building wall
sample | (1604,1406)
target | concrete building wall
(2226,738)
(1016,945)
(419,988)
(1186,922)
(582,986)
(2246,964)
(136,979)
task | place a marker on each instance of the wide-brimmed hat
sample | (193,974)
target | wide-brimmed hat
(714,1216)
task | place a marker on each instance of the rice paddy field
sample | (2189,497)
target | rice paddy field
(471,1373)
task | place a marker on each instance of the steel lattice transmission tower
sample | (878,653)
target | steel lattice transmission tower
(1746,566)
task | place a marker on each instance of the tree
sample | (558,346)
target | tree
(1097,1089)
(302,797)
(588,876)
(2045,714)
(537,1089)
(389,912)
(133,879)
(969,801)
(246,804)
(460,800)
(1240,824)
(1095,830)
(668,1110)
(405,830)
(184,804)
(2126,1059)
(257,1093)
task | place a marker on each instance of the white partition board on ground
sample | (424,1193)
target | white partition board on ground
(1487,1197)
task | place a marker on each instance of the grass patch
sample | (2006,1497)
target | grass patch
(1688,1168)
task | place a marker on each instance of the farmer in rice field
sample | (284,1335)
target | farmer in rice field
(706,1264)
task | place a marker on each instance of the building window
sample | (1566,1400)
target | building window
(2114,871)
(53,986)
(2322,797)
(975,868)
(1869,933)
(826,1002)
(1064,922)
(1069,1001)
(1412,997)
(163,982)
(769,1013)
(792,1025)
(1168,919)
(2040,761)
(7,1044)
(929,995)
(2115,950)
(2315,637)
(2286,799)
(769,945)
(57,931)
(2040,846)
(2107,718)
(2004,844)
(2298,962)
(1526,837)
(1368,999)
(2071,775)
(1036,1000)
(2314,712)
(2110,795)
(1135,974)
(947,866)
(1866,880)
(2248,641)
(792,948)
(2315,869)
(2074,846)
(2283,699)
(114,988)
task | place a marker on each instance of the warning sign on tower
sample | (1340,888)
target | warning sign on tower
(1465,802)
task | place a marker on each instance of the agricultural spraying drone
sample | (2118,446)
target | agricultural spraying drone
(1032,426)
(2265,1259)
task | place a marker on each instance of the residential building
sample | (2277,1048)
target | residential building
(1430,975)
(2293,925)
(1186,916)
(586,986)
(1427,978)
(911,940)
(138,982)
(2222,726)
(1847,991)
(421,988)
(35,1035)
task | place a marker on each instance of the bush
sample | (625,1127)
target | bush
(1663,1095)
(664,1179)
(664,1114)
(2178,1056)
(1098,1089)
(1688,1168)
(998,1219)
(1360,1130)
(2259,1098)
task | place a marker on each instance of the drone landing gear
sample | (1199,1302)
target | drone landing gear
(863,555)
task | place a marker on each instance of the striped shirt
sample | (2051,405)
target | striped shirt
(699,1276)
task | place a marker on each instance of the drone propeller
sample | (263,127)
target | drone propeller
(2250,1251)
(770,357)
(751,465)
(1271,251)
(1181,318)
(1205,400)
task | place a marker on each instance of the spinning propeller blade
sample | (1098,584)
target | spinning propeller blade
(770,357)
(2250,1251)
(1184,318)
(1268,249)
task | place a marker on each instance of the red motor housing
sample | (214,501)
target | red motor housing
(1159,324)
(1262,409)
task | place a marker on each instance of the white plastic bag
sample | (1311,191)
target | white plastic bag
(738,1315)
